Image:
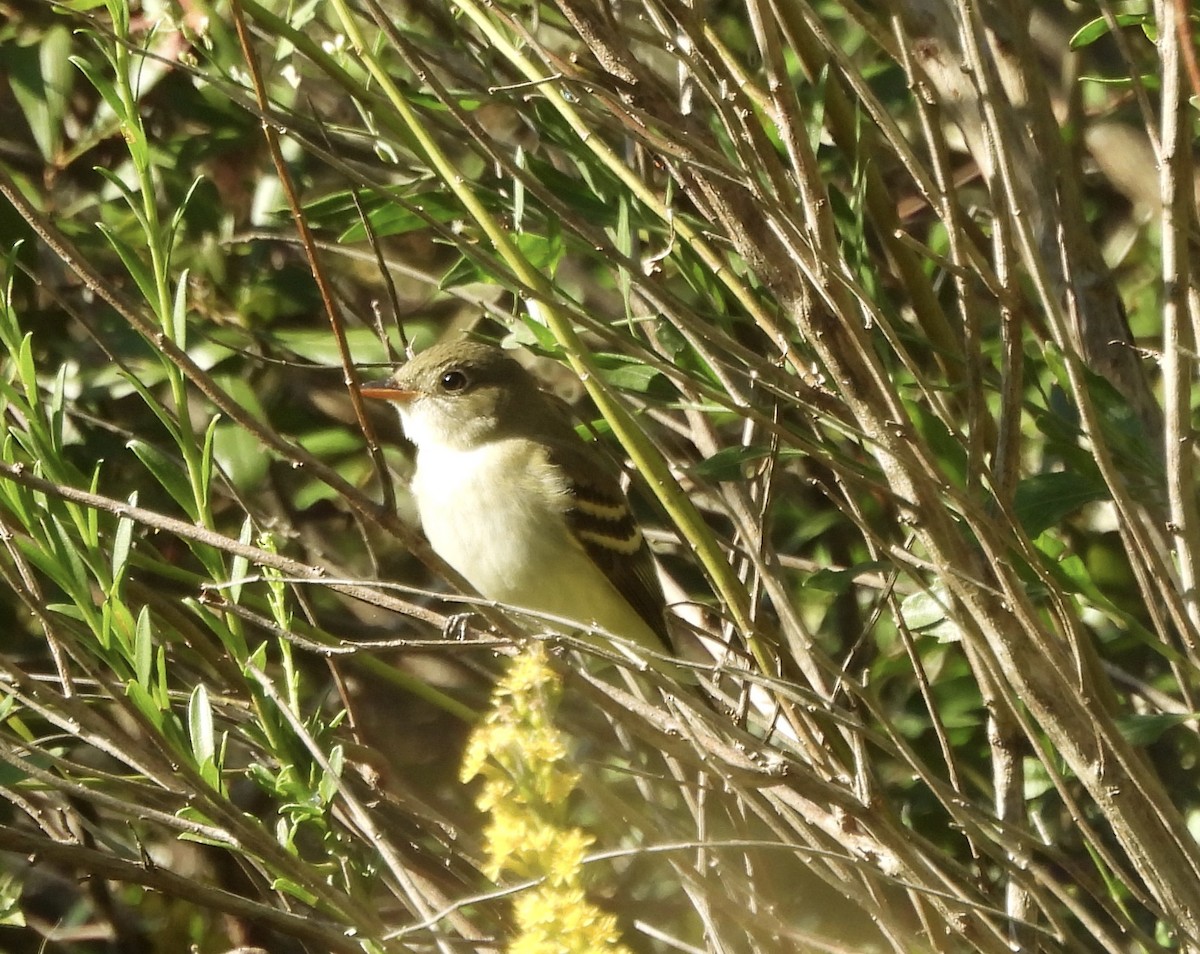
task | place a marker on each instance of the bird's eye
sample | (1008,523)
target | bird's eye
(454,380)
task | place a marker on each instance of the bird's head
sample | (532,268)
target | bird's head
(458,394)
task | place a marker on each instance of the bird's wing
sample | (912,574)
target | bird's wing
(600,519)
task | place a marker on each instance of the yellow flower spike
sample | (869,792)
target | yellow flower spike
(562,920)
(527,781)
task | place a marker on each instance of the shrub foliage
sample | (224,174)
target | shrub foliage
(892,311)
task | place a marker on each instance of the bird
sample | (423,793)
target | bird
(516,501)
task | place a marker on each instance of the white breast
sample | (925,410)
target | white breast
(491,537)
(516,547)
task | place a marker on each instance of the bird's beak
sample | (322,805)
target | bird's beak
(385,390)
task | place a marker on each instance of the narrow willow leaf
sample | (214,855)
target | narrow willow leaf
(122,541)
(405,214)
(200,731)
(240,566)
(206,458)
(1045,500)
(168,473)
(290,887)
(28,372)
(146,704)
(69,610)
(155,405)
(729,463)
(176,221)
(143,648)
(132,261)
(128,194)
(179,312)
(629,375)
(328,786)
(91,524)
(1098,28)
(40,79)
(56,408)
(162,686)
(1144,729)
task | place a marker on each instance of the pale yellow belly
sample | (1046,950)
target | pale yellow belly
(516,548)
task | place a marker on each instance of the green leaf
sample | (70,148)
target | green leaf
(155,405)
(531,333)
(543,252)
(168,473)
(72,573)
(1120,428)
(574,192)
(628,375)
(948,449)
(926,613)
(173,230)
(130,258)
(162,685)
(328,786)
(122,541)
(1145,729)
(1149,81)
(233,642)
(1098,28)
(206,458)
(40,78)
(143,648)
(200,726)
(15,497)
(288,886)
(240,565)
(145,703)
(11,775)
(57,408)
(91,526)
(841,581)
(101,83)
(729,463)
(69,610)
(406,214)
(240,455)
(179,312)
(318,345)
(256,660)
(330,441)
(1045,500)
(28,369)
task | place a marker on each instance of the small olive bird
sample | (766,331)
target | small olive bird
(515,500)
